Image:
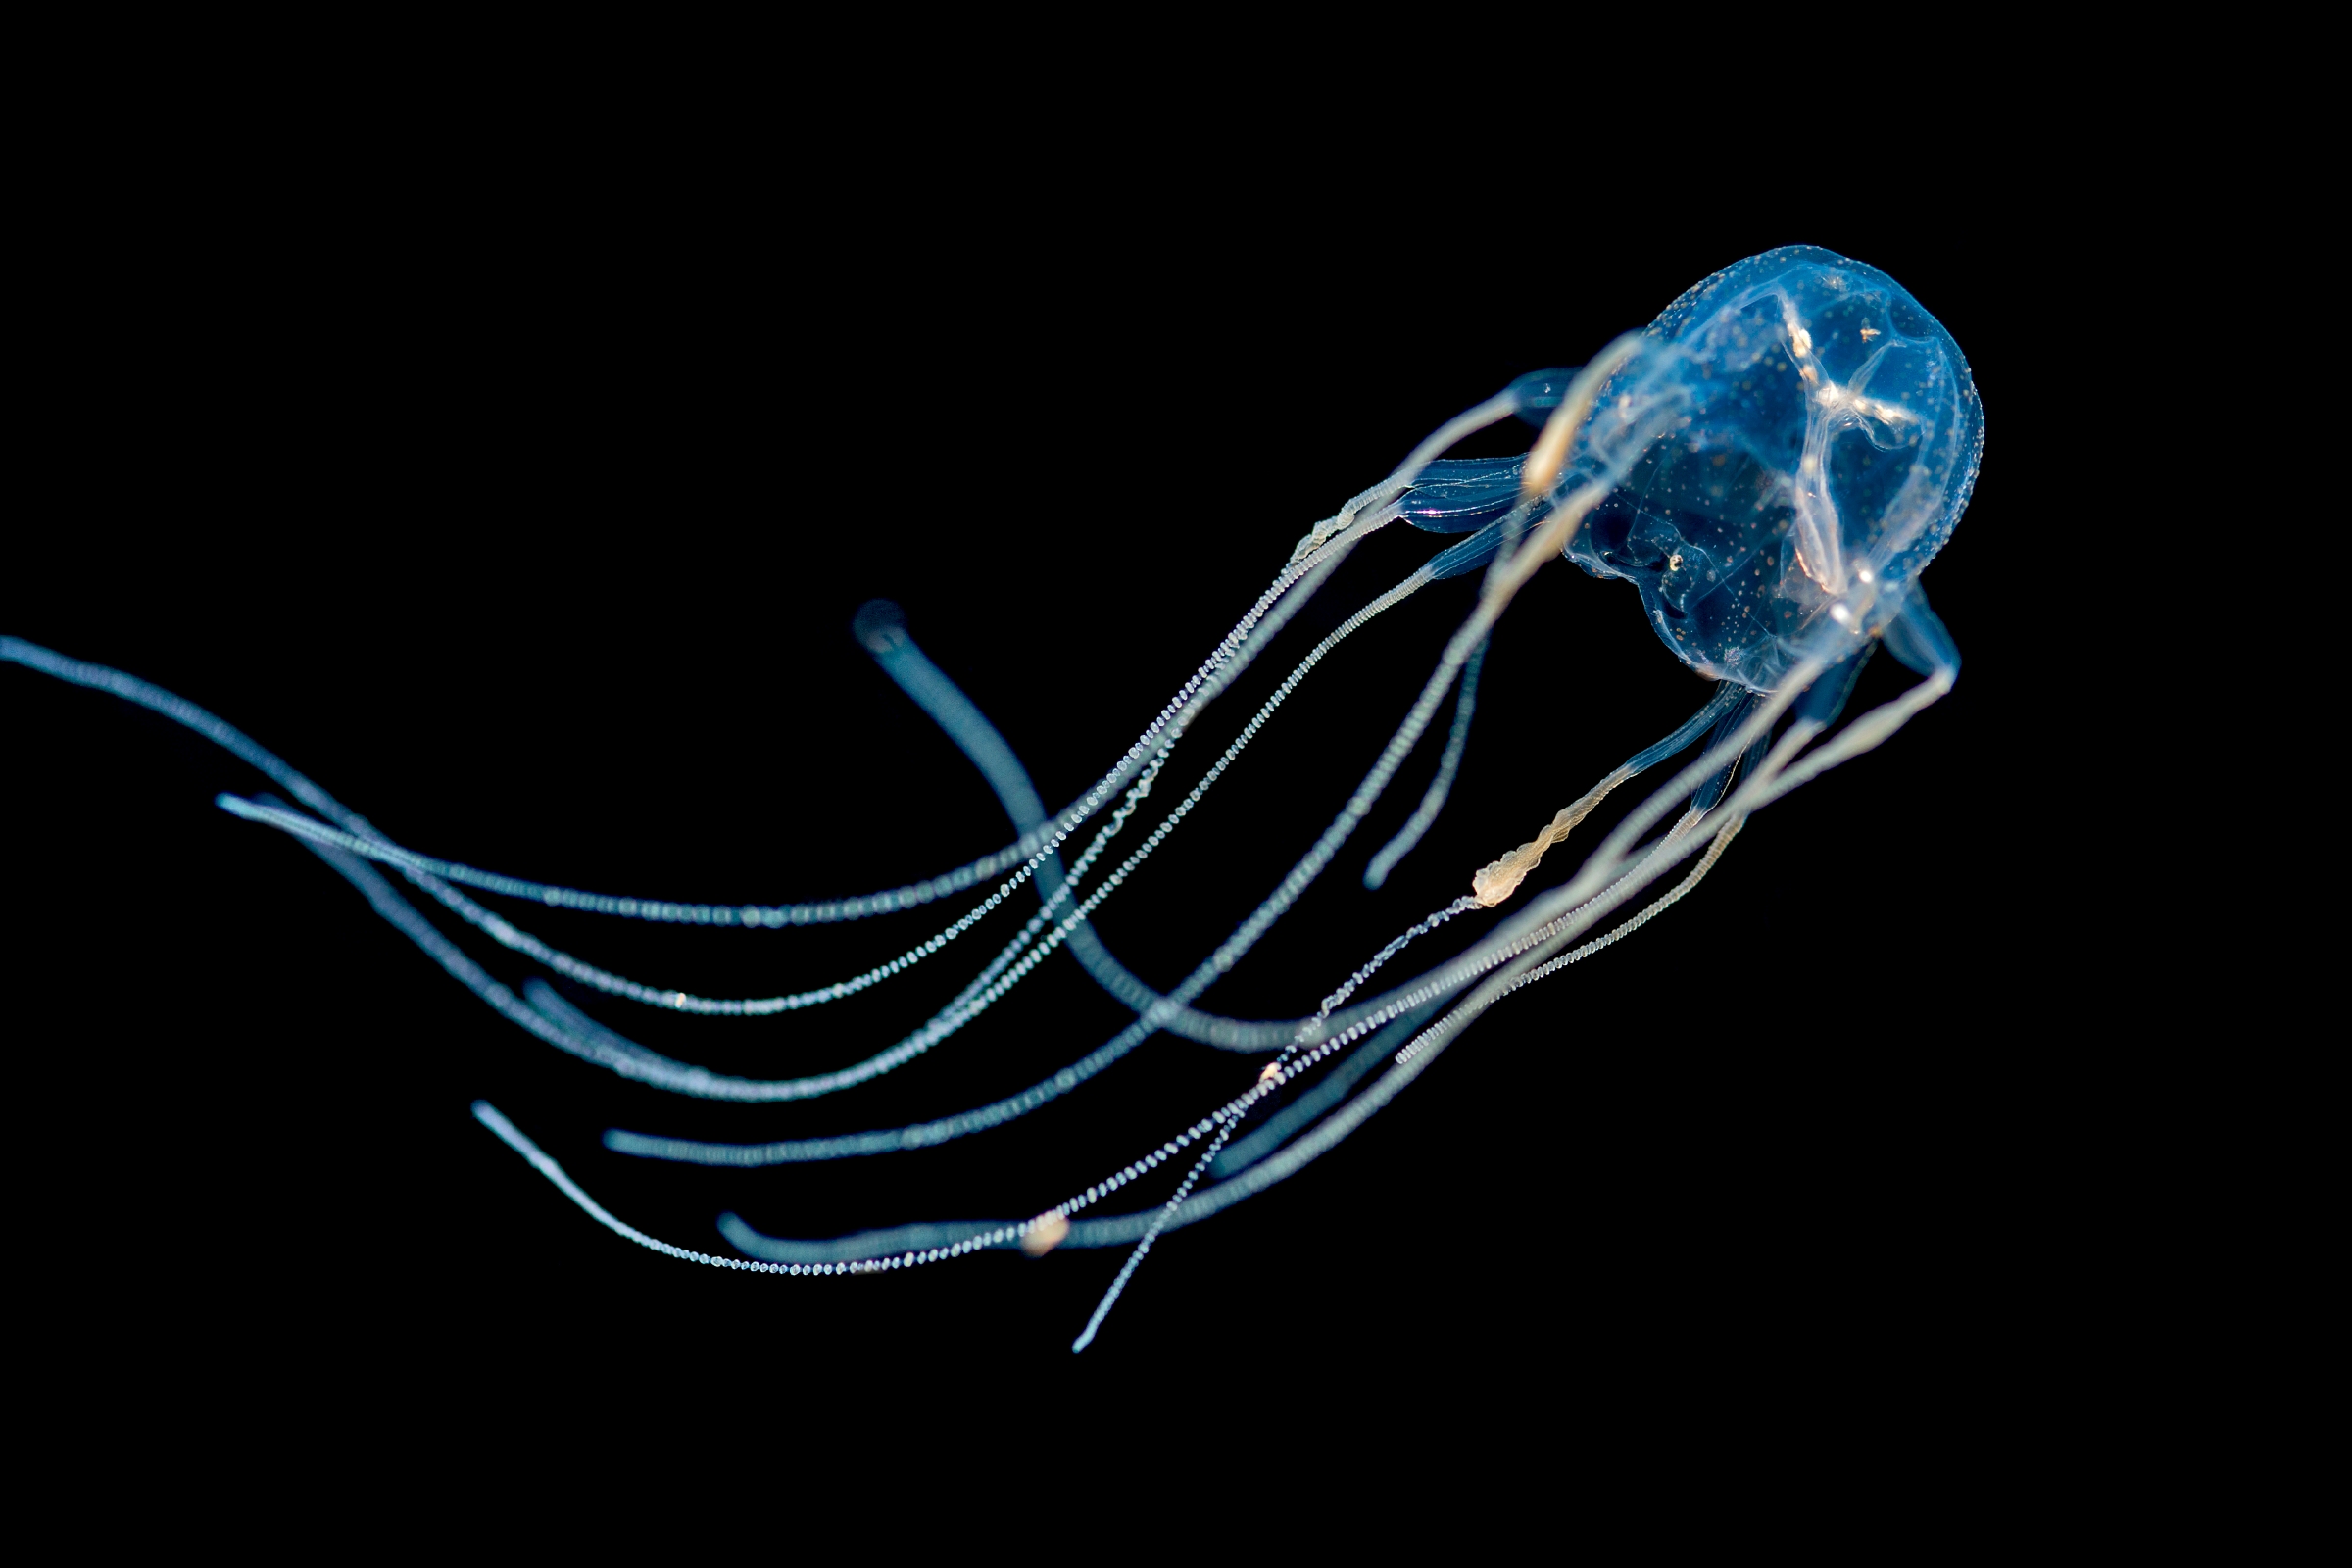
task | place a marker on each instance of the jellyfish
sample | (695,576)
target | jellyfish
(1772,465)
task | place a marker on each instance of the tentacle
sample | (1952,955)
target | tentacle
(1346,1029)
(1053,1221)
(1498,879)
(1306,573)
(1152,1231)
(1678,842)
(566,1028)
(1513,565)
(894,1241)
(1614,850)
(156,700)
(1706,862)
(881,629)
(1567,912)
(1115,1230)
(1871,730)
(615,1053)
(373,845)
(511,1136)
(512,937)
(1312,1103)
(1268,1081)
(897,1247)
(1433,799)
(1709,793)
(508,935)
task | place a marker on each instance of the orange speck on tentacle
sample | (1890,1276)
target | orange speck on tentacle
(1046,1234)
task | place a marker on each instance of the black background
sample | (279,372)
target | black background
(527,515)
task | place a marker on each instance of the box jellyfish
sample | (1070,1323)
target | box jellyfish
(1771,465)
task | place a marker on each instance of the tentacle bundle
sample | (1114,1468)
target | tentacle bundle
(1650,466)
